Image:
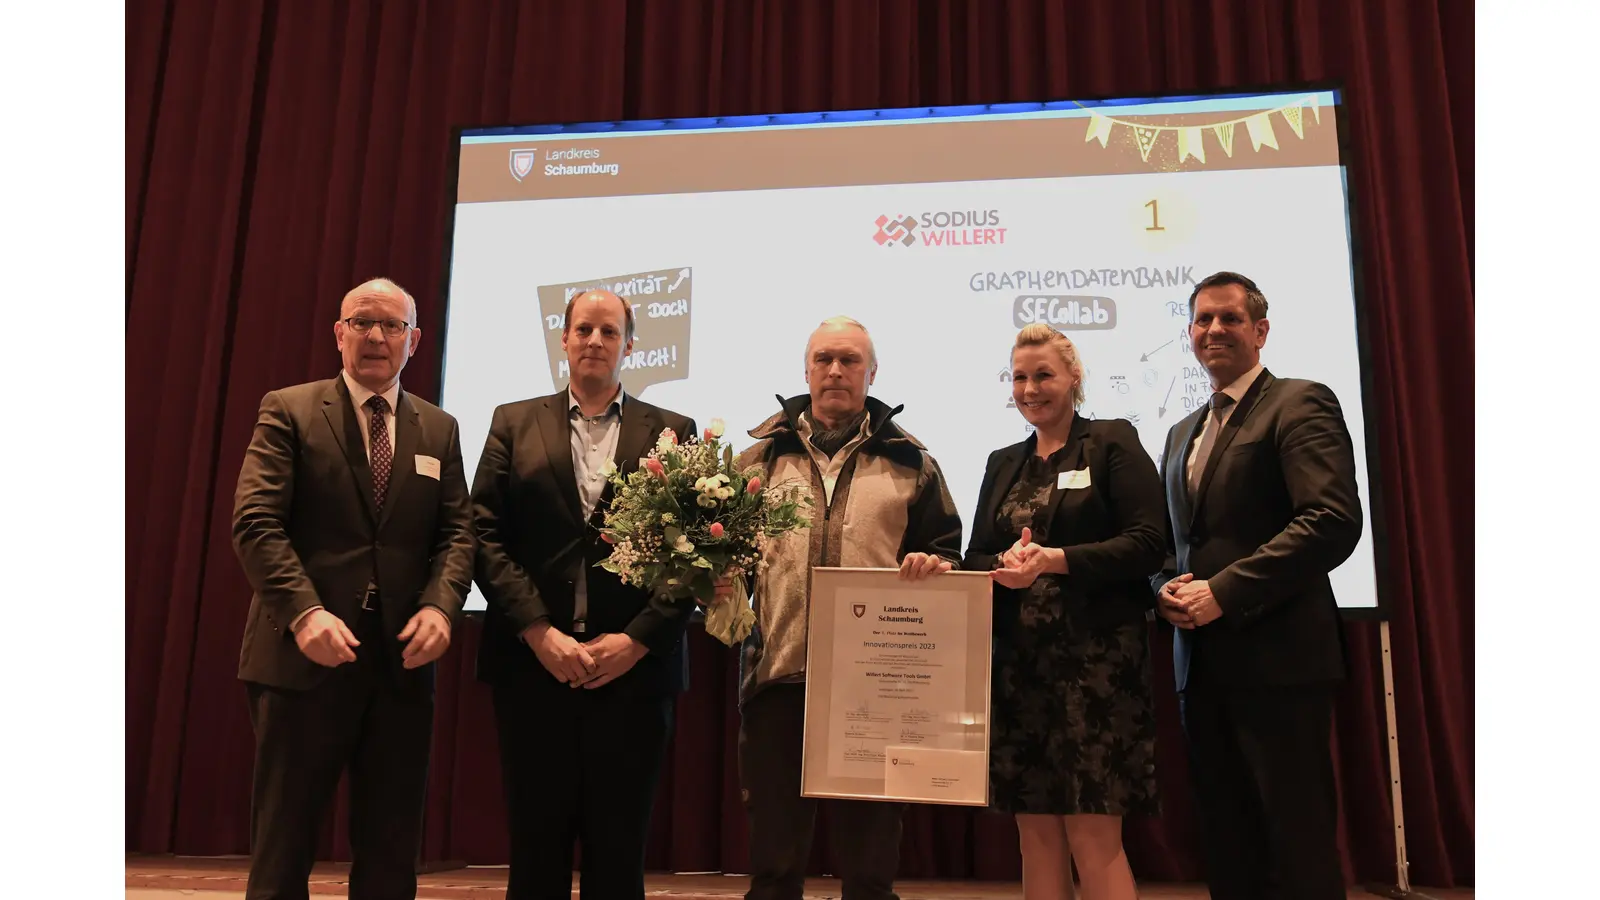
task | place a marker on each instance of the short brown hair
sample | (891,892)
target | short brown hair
(1255,302)
(627,313)
(1039,334)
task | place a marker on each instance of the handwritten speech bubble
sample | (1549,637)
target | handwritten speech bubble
(661,307)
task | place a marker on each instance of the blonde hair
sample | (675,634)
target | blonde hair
(1039,334)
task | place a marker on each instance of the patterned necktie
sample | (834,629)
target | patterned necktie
(1219,402)
(381,455)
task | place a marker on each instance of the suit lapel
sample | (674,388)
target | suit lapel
(1178,461)
(557,433)
(1225,437)
(1077,457)
(340,413)
(640,423)
(1003,478)
(407,437)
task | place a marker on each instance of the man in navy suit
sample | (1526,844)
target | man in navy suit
(1261,506)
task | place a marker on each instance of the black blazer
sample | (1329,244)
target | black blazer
(1111,529)
(307,533)
(534,545)
(1275,512)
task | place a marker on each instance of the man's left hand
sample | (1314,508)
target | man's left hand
(917,566)
(614,655)
(1197,599)
(427,636)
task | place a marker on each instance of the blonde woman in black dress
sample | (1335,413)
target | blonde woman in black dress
(1070,523)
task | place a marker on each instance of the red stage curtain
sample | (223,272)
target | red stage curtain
(279,152)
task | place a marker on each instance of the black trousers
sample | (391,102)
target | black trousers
(865,835)
(1262,768)
(304,741)
(580,766)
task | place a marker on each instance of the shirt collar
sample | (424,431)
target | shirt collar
(614,408)
(804,427)
(360,395)
(1242,383)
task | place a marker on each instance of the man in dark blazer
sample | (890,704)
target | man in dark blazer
(353,526)
(585,670)
(1262,505)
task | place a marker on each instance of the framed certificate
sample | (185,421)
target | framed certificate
(897,687)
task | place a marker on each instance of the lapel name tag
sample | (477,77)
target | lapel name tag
(1070,481)
(428,466)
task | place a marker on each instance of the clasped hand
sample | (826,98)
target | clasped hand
(1021,565)
(593,664)
(1187,603)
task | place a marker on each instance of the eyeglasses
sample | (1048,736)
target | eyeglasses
(386,327)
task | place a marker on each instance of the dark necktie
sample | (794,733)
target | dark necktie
(1219,402)
(382,455)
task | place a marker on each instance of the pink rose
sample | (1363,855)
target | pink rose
(754,486)
(716,529)
(654,467)
(668,435)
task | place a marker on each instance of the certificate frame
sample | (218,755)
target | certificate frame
(895,722)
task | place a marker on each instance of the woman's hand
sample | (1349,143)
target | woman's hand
(1026,561)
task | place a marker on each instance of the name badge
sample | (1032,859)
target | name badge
(1071,481)
(427,465)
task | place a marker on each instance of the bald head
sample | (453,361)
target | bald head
(379,290)
(377,332)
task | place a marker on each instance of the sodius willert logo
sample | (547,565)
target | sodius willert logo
(895,230)
(945,228)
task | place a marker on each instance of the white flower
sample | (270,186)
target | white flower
(682,544)
(718,427)
(724,493)
(608,468)
(667,441)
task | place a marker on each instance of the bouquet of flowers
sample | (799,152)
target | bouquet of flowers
(687,519)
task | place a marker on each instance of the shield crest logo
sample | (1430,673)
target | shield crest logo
(860,609)
(521,163)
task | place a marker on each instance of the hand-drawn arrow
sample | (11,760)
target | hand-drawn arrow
(1146,357)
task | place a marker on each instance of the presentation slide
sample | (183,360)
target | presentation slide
(943,231)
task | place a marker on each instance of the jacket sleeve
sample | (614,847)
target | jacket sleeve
(1134,496)
(984,552)
(933,525)
(262,504)
(1319,473)
(455,544)
(506,585)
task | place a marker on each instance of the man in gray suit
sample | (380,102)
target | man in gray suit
(353,525)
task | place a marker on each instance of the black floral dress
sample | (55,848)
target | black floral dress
(1073,726)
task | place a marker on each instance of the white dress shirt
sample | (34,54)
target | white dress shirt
(1219,417)
(359,396)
